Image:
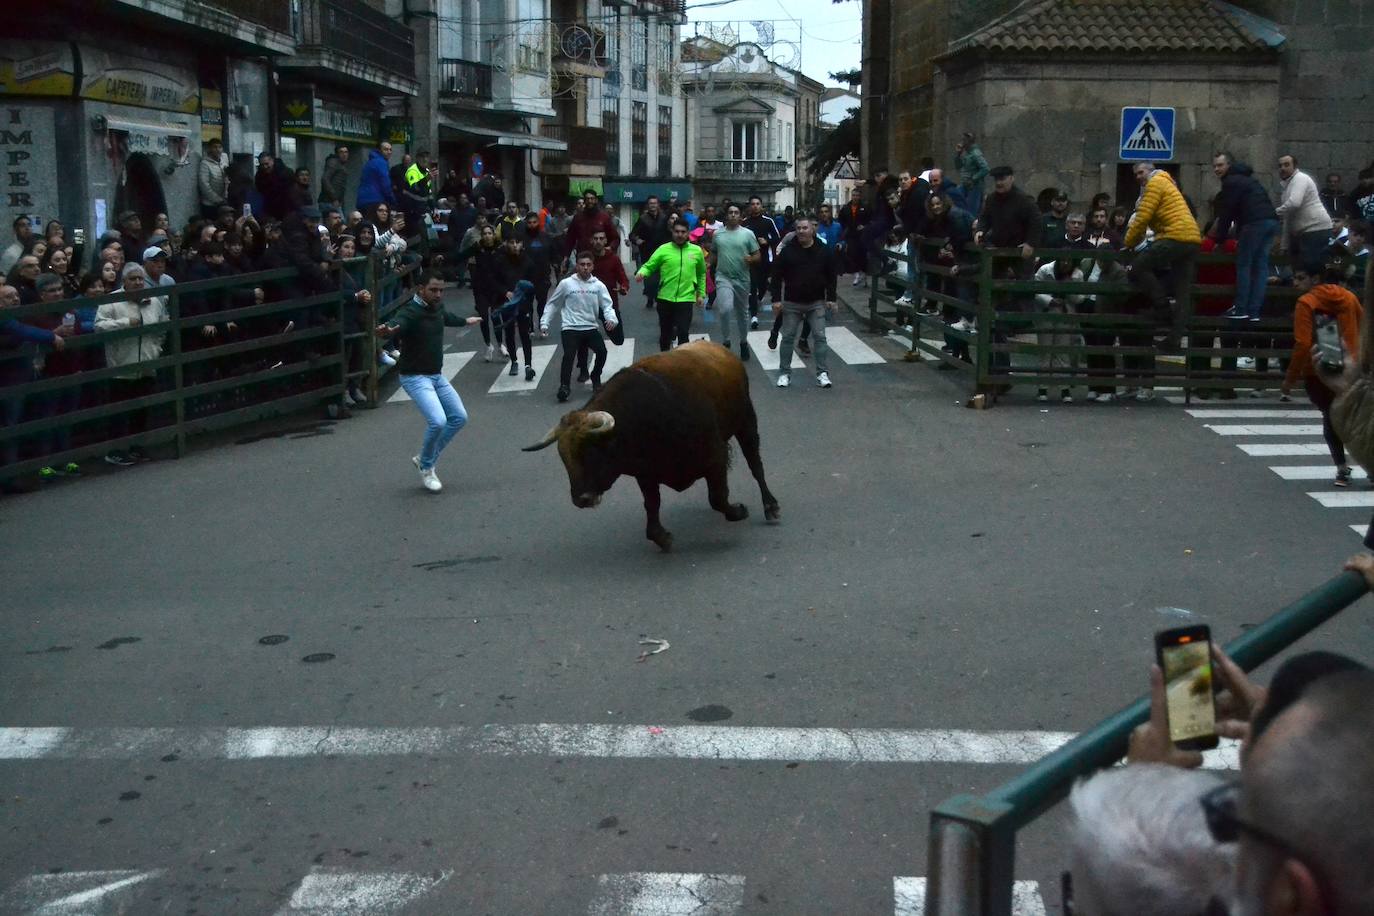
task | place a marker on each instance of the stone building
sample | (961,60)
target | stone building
(1042,83)
(751,121)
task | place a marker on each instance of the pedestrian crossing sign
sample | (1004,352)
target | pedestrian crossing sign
(1147,134)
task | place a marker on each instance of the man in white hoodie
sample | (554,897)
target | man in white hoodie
(1306,224)
(585,304)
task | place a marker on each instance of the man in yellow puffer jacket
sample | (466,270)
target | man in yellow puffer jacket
(681,270)
(1175,246)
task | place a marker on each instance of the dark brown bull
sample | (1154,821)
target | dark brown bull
(666,420)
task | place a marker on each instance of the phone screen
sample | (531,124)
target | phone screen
(1188,689)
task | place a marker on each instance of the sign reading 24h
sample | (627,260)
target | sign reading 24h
(1147,134)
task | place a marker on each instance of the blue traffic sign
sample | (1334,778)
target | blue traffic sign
(1147,134)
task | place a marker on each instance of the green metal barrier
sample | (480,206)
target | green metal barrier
(999,355)
(226,383)
(973,837)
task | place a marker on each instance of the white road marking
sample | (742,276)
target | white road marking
(771,360)
(845,344)
(1314,472)
(1282,449)
(1344,499)
(667,894)
(617,358)
(1248,414)
(909,897)
(540,358)
(77,893)
(30,743)
(453,364)
(626,742)
(1273,430)
(331,892)
(1361,530)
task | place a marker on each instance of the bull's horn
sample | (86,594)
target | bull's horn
(599,422)
(549,439)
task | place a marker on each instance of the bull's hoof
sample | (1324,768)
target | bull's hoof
(736,512)
(772,512)
(662,538)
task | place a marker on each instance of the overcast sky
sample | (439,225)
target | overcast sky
(828,33)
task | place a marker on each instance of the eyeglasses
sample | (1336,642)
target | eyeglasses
(1219,806)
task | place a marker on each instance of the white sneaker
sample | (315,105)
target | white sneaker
(963,324)
(1245,362)
(490,355)
(1145,394)
(754,323)
(823,379)
(385,358)
(1092,396)
(428,479)
(903,299)
(856,280)
(1106,397)
(784,380)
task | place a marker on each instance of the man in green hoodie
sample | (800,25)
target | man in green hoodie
(681,270)
(419,326)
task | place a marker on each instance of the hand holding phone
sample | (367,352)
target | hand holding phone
(1184,655)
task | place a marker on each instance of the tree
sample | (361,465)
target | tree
(844,140)
(848,77)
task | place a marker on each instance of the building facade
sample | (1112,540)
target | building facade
(751,122)
(1042,84)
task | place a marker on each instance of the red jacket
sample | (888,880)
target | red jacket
(1215,275)
(583,227)
(609,269)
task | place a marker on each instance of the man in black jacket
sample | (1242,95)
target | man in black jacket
(273,182)
(1010,219)
(853,217)
(1245,204)
(804,275)
(542,254)
(650,232)
(766,232)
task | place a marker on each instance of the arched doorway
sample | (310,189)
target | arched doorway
(140,189)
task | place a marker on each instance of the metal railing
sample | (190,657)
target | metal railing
(274,14)
(987,322)
(579,43)
(253,366)
(465,79)
(774,169)
(973,838)
(354,29)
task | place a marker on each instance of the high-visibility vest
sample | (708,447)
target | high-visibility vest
(414,175)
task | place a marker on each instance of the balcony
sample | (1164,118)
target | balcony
(586,153)
(579,49)
(464,79)
(262,25)
(271,13)
(350,41)
(747,171)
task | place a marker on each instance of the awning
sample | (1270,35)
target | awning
(506,137)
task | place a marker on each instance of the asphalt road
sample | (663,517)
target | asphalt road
(935,568)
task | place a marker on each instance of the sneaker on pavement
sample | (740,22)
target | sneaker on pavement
(563,393)
(1233,313)
(1106,397)
(744,351)
(430,481)
(490,355)
(856,280)
(1042,395)
(514,368)
(1245,362)
(71,469)
(754,323)
(823,379)
(1066,396)
(772,340)
(1342,476)
(1144,395)
(119,459)
(784,380)
(47,473)
(529,373)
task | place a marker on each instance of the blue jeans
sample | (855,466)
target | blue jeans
(1252,265)
(443,411)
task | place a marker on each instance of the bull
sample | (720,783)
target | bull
(665,421)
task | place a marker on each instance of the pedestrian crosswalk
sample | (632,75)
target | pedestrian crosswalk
(326,891)
(845,347)
(1285,433)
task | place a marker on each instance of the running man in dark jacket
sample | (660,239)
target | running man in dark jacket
(804,275)
(419,326)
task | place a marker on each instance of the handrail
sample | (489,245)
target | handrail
(973,838)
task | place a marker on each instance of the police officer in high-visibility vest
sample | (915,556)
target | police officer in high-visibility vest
(415,198)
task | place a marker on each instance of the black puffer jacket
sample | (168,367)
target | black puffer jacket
(1243,200)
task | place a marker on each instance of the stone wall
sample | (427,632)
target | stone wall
(1058,124)
(1326,91)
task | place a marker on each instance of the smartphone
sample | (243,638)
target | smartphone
(1330,348)
(1185,656)
(247,211)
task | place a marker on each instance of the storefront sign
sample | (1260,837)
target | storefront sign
(636,192)
(28,182)
(107,77)
(37,68)
(306,116)
(211,115)
(397,130)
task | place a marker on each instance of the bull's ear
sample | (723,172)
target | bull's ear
(597,423)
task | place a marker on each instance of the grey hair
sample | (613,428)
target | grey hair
(132,269)
(1140,844)
(1078,215)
